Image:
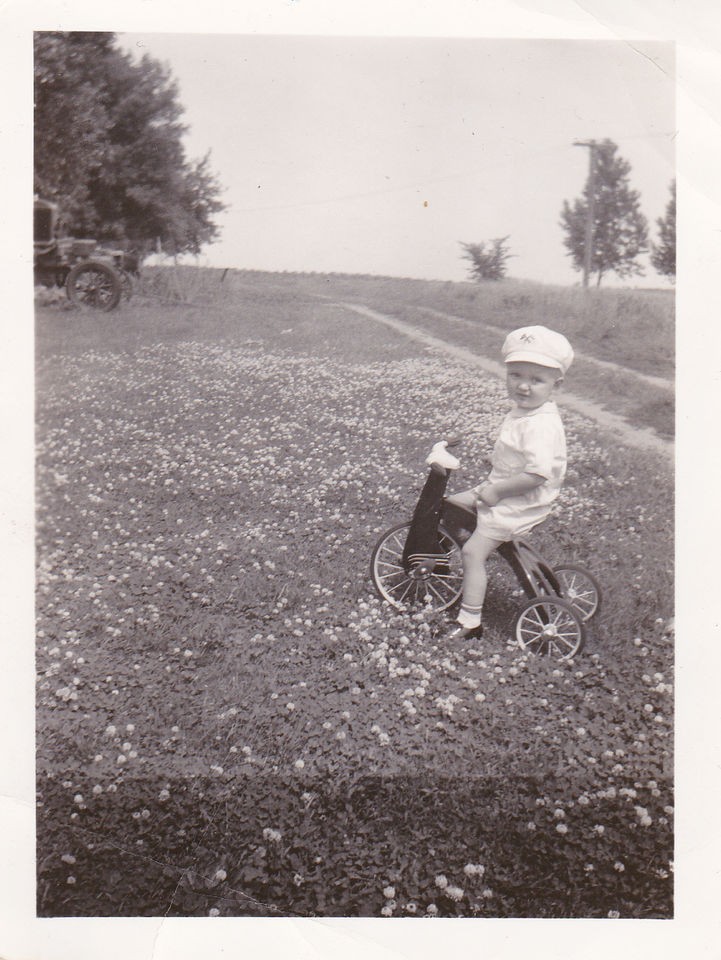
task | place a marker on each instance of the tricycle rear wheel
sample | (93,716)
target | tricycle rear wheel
(550,626)
(580,588)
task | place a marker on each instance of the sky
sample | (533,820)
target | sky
(383,154)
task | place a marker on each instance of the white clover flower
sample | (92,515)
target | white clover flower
(561,828)
(387,911)
(454,893)
(220,875)
(442,881)
(613,914)
(432,910)
(619,867)
(299,764)
(389,892)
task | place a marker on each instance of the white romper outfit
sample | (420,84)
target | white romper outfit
(530,441)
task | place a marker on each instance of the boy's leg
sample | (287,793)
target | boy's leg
(459,514)
(466,498)
(476,551)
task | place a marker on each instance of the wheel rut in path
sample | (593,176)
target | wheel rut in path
(661,382)
(621,429)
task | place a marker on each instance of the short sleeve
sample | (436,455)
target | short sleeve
(544,447)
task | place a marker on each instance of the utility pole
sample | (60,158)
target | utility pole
(588,243)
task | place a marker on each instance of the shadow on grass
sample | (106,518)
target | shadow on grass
(269,845)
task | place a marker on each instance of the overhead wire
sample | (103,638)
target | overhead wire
(447,178)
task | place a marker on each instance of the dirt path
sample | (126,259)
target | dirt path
(652,381)
(620,429)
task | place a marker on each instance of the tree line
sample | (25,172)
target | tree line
(109,147)
(605,230)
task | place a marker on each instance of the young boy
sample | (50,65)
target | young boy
(528,463)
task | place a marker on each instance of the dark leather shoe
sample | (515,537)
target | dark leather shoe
(457,632)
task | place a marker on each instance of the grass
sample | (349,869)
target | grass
(230,722)
(634,329)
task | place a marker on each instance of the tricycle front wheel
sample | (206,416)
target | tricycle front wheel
(436,589)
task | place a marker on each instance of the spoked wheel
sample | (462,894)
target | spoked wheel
(94,284)
(549,626)
(437,589)
(580,588)
(126,285)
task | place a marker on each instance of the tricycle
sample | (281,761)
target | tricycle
(417,564)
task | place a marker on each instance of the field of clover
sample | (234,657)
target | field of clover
(230,722)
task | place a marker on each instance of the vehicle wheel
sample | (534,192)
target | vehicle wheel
(580,588)
(436,590)
(126,283)
(94,284)
(549,626)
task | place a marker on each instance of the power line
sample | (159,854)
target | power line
(478,170)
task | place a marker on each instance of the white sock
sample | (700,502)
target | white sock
(469,620)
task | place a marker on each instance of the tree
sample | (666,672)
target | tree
(663,254)
(488,259)
(70,117)
(611,208)
(108,147)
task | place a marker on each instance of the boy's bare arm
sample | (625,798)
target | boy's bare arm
(491,493)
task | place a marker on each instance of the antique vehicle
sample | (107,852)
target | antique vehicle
(92,275)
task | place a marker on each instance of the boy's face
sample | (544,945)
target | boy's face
(529,384)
